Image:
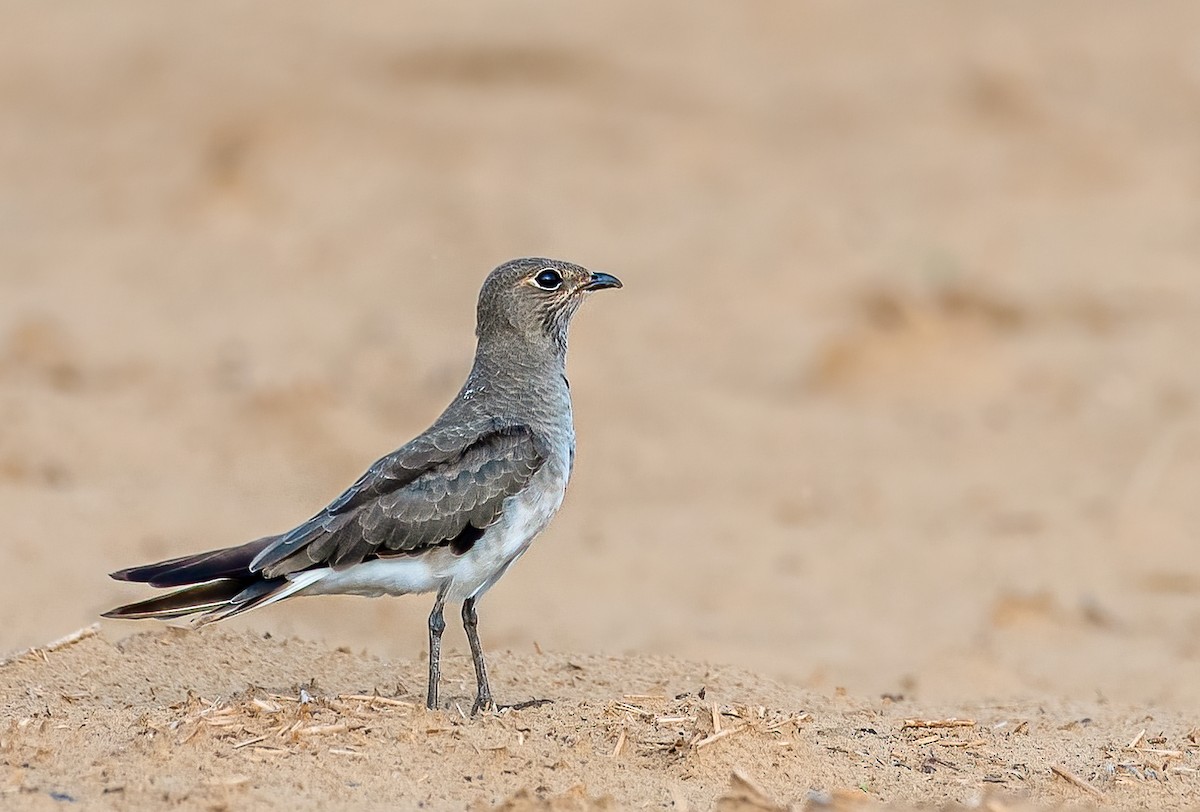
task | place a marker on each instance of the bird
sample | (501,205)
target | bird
(448,512)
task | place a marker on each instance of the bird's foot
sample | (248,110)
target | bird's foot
(483,702)
(489,705)
(528,703)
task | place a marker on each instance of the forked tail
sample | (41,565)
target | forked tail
(217,585)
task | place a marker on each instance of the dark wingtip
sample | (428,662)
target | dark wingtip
(146,574)
(191,600)
(126,612)
(227,562)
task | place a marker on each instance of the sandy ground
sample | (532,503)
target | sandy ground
(900,399)
(208,721)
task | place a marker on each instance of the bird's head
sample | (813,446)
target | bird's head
(536,298)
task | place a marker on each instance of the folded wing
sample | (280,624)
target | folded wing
(443,488)
(426,494)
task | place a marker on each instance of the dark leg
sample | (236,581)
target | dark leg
(483,698)
(437,625)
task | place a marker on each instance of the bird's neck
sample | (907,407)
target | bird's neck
(536,348)
(513,366)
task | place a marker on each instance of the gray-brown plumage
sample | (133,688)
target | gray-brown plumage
(448,512)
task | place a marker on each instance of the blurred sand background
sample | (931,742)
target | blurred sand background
(901,394)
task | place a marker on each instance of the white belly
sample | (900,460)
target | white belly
(472,574)
(465,576)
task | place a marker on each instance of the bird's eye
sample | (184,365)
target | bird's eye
(548,279)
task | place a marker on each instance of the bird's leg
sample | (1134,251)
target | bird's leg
(437,624)
(483,698)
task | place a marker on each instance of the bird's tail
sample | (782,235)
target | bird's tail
(216,585)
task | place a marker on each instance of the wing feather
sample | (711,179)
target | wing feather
(421,496)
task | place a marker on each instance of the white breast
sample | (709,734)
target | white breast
(525,516)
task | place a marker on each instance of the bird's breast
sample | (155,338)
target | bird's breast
(524,516)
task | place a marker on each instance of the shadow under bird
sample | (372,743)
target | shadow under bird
(448,512)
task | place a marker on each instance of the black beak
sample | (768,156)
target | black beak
(600,281)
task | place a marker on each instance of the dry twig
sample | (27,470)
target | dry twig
(705,742)
(1072,778)
(619,747)
(936,723)
(54,645)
